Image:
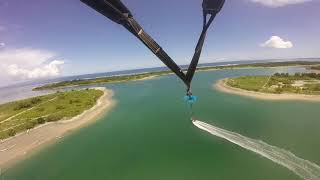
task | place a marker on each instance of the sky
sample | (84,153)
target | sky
(43,39)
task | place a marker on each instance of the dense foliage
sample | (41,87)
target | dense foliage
(26,114)
(300,83)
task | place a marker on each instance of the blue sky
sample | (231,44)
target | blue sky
(45,38)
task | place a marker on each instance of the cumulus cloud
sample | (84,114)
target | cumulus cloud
(23,64)
(279,3)
(49,70)
(277,42)
(25,57)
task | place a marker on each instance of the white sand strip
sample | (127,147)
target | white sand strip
(223,87)
(15,148)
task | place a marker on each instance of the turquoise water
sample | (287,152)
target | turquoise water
(148,135)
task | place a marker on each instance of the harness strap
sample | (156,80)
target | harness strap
(195,60)
(119,13)
(137,30)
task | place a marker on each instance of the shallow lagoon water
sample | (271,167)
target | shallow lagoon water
(149,135)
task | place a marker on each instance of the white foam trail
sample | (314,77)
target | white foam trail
(303,168)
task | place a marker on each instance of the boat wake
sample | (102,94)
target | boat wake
(303,168)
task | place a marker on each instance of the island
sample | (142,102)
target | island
(101,80)
(279,86)
(315,67)
(27,124)
(147,75)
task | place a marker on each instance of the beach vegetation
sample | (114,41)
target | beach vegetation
(315,67)
(278,83)
(26,114)
(134,77)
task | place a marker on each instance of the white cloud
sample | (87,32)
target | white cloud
(277,42)
(2,45)
(23,64)
(25,57)
(279,3)
(49,70)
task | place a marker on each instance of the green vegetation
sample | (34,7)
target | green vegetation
(102,80)
(299,83)
(250,83)
(25,114)
(315,67)
(266,65)
(113,79)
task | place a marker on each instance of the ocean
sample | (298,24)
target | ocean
(149,135)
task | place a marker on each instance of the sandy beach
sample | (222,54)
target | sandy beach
(315,71)
(147,78)
(222,86)
(17,147)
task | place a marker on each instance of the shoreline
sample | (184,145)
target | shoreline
(18,147)
(315,71)
(201,69)
(221,85)
(146,78)
(77,86)
(252,67)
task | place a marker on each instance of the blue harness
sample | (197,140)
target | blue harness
(190,99)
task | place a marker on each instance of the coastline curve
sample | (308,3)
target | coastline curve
(16,148)
(221,86)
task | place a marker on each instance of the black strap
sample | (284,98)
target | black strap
(195,60)
(117,12)
(137,30)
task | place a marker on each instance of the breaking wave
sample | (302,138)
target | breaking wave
(303,168)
